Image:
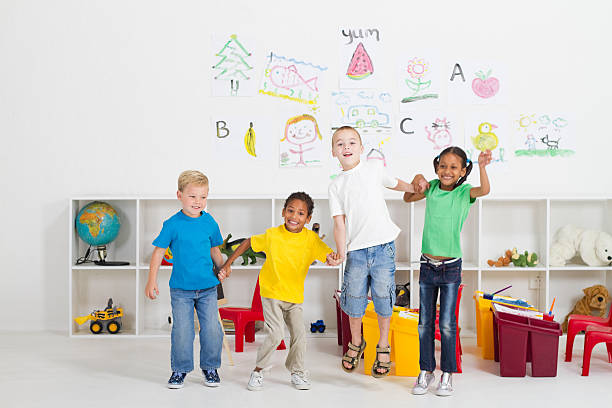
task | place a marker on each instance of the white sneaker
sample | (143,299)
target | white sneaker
(423,382)
(256,381)
(300,380)
(445,386)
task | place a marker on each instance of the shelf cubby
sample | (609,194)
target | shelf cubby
(492,226)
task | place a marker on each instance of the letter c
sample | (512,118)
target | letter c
(407,132)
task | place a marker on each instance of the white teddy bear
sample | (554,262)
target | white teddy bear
(594,247)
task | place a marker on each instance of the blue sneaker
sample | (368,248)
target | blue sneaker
(211,378)
(176,380)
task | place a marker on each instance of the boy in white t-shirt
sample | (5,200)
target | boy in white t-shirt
(362,226)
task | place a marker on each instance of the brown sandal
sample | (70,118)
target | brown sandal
(381,365)
(353,361)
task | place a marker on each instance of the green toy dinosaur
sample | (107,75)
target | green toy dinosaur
(228,249)
(526,259)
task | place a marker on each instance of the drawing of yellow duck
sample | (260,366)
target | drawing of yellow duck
(485,139)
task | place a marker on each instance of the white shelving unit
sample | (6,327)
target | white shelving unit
(91,285)
(493,225)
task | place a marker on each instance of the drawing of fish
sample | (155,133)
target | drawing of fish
(289,77)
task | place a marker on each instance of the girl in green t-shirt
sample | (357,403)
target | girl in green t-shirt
(447,206)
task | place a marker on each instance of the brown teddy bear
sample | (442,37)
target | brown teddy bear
(595,297)
(502,260)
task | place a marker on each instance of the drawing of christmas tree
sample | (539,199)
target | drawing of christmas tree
(232,66)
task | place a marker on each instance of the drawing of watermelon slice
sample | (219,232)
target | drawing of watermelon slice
(360,66)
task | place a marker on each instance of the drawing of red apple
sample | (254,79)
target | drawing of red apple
(485,86)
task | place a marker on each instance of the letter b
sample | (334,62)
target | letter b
(221,128)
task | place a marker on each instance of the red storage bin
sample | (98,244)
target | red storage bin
(519,319)
(511,338)
(519,339)
(544,337)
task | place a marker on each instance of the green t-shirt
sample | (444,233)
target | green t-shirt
(445,213)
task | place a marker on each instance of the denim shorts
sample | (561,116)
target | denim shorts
(370,268)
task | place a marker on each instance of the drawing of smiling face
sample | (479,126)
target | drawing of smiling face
(301,132)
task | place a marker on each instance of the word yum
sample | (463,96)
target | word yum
(367,33)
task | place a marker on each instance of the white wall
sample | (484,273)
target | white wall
(112,97)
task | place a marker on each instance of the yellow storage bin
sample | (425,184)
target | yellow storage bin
(405,328)
(403,338)
(484,323)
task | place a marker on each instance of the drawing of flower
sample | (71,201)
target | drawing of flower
(417,68)
(284,158)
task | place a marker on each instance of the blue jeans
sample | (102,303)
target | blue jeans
(373,268)
(446,279)
(211,334)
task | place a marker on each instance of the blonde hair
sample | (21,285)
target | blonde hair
(340,129)
(191,177)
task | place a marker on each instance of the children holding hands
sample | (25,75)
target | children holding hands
(364,234)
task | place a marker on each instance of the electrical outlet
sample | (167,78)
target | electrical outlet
(534,282)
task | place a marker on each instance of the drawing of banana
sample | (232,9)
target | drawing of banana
(249,140)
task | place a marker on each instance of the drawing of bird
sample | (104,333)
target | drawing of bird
(485,139)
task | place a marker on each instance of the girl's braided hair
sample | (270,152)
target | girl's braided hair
(465,162)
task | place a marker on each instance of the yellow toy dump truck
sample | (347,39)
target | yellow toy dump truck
(109,318)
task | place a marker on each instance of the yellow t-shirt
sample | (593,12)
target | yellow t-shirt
(288,257)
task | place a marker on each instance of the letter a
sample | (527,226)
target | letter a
(457,71)
(222,127)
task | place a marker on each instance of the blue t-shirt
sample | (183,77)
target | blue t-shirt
(190,240)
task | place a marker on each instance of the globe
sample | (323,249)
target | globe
(97,223)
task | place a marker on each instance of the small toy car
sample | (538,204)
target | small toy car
(109,317)
(317,326)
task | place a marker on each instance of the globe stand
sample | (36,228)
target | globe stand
(103,262)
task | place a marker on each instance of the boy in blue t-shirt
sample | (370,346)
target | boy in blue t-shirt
(194,238)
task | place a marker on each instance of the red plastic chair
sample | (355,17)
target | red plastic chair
(595,334)
(578,323)
(244,319)
(458,350)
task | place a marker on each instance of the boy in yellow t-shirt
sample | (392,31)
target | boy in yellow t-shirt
(290,249)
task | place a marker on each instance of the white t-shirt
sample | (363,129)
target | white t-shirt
(358,194)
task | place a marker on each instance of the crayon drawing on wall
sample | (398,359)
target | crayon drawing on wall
(488,131)
(543,135)
(477,83)
(293,80)
(241,138)
(360,58)
(418,81)
(370,112)
(425,132)
(301,144)
(232,70)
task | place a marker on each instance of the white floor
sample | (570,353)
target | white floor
(53,370)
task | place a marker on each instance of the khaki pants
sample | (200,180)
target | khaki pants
(275,313)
